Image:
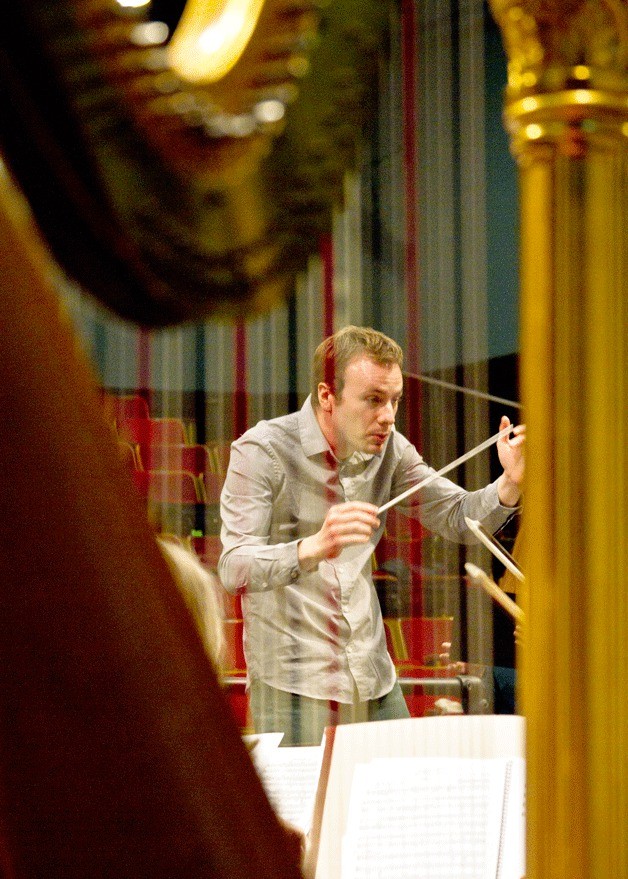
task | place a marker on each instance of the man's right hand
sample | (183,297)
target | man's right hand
(345,525)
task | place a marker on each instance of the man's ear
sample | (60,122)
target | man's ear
(325,394)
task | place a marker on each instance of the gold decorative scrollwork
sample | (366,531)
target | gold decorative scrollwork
(567,76)
(550,44)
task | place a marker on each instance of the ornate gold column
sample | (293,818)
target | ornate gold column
(567,113)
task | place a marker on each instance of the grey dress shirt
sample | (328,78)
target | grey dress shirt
(321,634)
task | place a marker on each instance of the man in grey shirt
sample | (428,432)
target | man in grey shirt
(300,525)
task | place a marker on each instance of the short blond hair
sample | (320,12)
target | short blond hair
(334,353)
(199,588)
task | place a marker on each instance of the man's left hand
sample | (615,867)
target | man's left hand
(512,458)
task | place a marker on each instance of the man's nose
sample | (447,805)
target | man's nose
(387,414)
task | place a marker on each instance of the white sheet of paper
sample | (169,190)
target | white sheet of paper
(261,743)
(430,817)
(290,778)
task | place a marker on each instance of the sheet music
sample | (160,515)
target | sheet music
(478,737)
(444,814)
(290,777)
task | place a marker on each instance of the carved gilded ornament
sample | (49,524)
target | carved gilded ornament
(567,67)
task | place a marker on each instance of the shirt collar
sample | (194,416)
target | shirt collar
(313,441)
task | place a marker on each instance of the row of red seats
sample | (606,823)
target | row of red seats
(167,466)
(136,425)
(206,461)
(165,444)
(177,486)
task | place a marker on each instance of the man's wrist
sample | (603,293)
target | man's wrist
(306,554)
(508,492)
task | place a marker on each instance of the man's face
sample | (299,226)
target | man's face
(362,418)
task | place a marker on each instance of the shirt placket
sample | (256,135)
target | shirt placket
(348,573)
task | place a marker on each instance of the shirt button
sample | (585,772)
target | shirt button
(294,575)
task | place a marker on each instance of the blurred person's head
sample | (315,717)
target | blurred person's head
(199,588)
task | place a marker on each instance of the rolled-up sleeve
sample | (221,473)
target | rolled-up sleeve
(249,561)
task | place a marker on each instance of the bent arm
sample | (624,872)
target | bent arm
(249,561)
(511,452)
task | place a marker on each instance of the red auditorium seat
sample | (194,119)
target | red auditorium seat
(128,406)
(176,456)
(152,431)
(424,638)
(234,650)
(168,486)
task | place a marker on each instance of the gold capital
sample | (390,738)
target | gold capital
(566,68)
